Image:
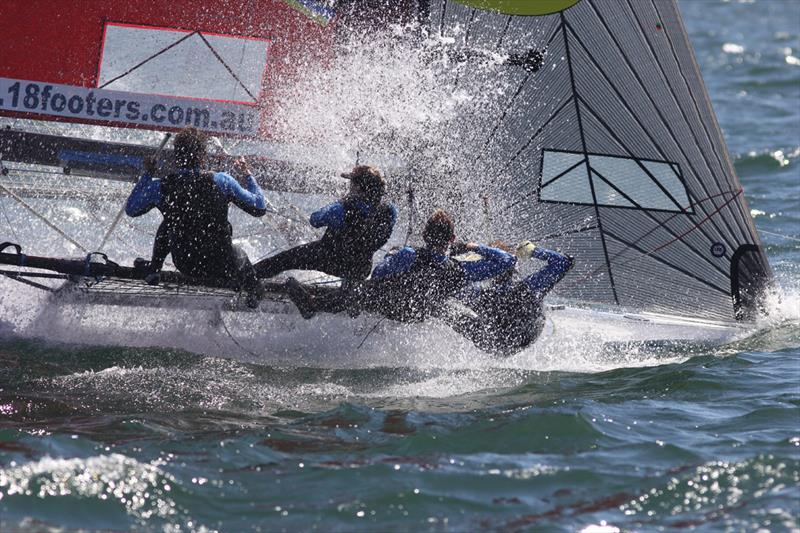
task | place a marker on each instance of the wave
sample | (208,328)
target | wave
(767,161)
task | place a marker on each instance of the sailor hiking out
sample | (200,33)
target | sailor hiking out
(411,284)
(195,229)
(507,316)
(358,225)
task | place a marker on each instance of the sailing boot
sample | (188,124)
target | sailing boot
(299,297)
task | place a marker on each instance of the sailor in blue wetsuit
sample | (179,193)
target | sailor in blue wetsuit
(411,284)
(508,315)
(358,225)
(194,204)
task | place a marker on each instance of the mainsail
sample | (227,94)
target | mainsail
(611,151)
(156,65)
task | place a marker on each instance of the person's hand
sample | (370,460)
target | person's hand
(150,164)
(460,248)
(525,250)
(241,167)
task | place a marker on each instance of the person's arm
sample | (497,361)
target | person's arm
(146,195)
(493,262)
(545,279)
(395,263)
(332,216)
(250,200)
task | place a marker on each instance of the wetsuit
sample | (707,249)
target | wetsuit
(508,315)
(356,229)
(195,229)
(413,284)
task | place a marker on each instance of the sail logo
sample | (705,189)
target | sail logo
(127,108)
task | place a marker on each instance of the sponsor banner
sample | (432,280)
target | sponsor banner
(120,107)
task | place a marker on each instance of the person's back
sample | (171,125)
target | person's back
(509,315)
(415,283)
(196,215)
(413,295)
(194,204)
(357,226)
(364,230)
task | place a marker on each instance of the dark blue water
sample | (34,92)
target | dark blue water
(109,438)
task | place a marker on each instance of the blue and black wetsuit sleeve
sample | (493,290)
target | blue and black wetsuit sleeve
(331,216)
(146,195)
(493,262)
(385,228)
(395,263)
(250,200)
(545,279)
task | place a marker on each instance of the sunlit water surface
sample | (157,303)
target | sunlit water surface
(106,437)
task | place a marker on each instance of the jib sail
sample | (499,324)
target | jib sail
(608,143)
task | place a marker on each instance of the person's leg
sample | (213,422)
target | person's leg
(161,250)
(323,299)
(244,276)
(160,247)
(304,257)
(467,325)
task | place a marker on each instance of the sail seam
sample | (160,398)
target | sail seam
(538,131)
(503,116)
(741,218)
(664,262)
(561,175)
(441,19)
(654,219)
(634,117)
(575,97)
(650,232)
(224,64)
(619,141)
(503,33)
(631,200)
(511,101)
(731,233)
(686,118)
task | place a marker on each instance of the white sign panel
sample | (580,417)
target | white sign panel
(121,107)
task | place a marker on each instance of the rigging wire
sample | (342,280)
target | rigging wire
(10,225)
(787,237)
(370,332)
(43,218)
(232,338)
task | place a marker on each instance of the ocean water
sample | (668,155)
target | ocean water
(100,437)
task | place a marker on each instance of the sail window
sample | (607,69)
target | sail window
(567,177)
(182,63)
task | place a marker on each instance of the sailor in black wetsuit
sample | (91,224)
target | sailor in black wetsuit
(194,204)
(358,225)
(508,315)
(411,284)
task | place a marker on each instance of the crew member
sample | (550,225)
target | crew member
(194,204)
(508,315)
(411,284)
(358,225)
